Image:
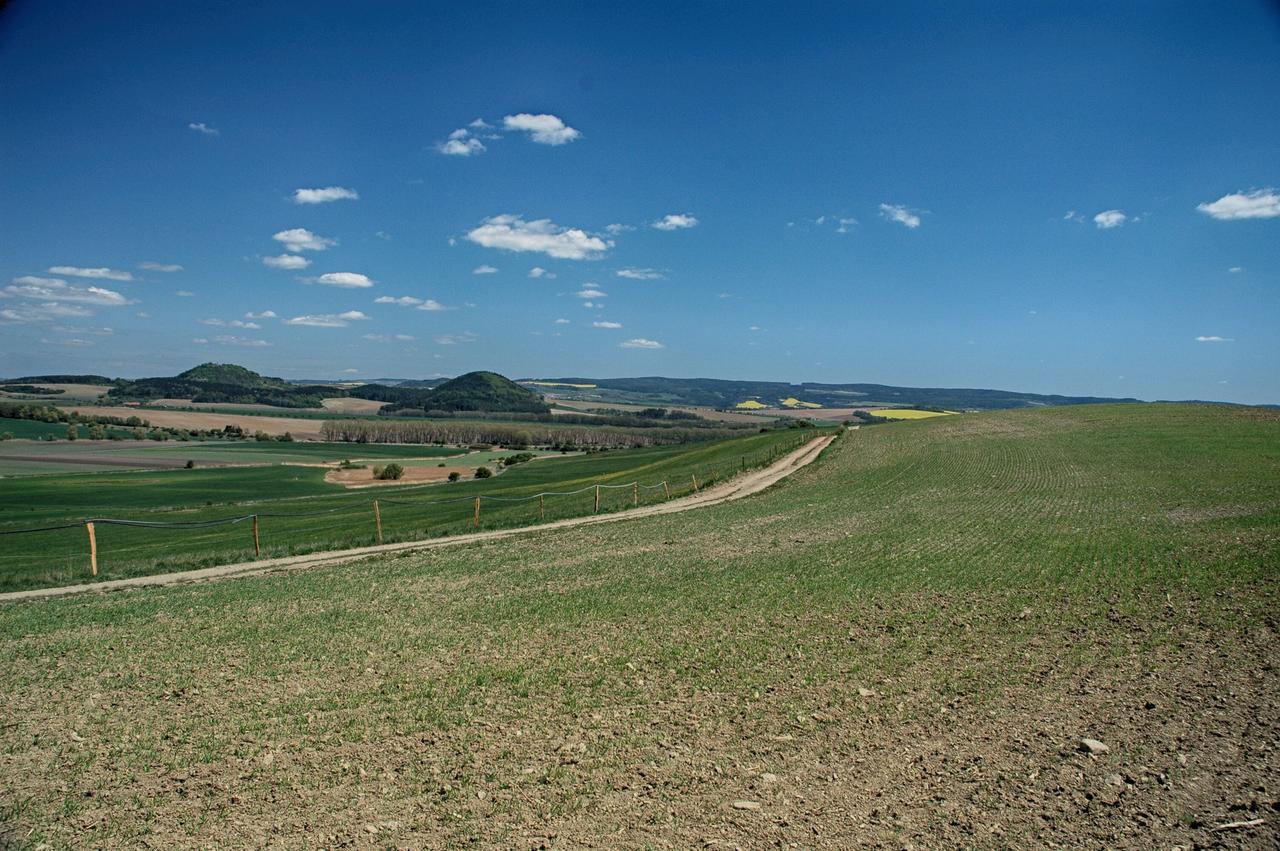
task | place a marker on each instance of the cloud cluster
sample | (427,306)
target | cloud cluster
(1258,204)
(1108,219)
(606,324)
(640,343)
(675,221)
(484,270)
(203,129)
(286,261)
(348,280)
(101,272)
(411,301)
(231,323)
(636,274)
(327,320)
(510,232)
(902,215)
(1214,338)
(455,339)
(152,266)
(325,195)
(301,239)
(58,290)
(542,128)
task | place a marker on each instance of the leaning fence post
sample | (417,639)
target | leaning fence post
(93,550)
(695,482)
(597,511)
(257,544)
(666,489)
(542,508)
(377,519)
(475,518)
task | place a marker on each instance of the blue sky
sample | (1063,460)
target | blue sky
(1073,198)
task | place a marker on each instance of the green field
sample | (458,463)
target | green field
(901,645)
(299,512)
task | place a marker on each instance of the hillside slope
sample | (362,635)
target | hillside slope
(722,393)
(904,643)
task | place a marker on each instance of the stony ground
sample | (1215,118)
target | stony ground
(904,645)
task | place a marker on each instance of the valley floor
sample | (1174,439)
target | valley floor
(902,645)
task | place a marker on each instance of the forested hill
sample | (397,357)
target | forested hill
(722,393)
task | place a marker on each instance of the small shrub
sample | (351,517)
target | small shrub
(190,465)
(390,472)
(453,477)
(483,472)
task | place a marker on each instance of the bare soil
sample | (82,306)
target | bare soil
(302,429)
(412,476)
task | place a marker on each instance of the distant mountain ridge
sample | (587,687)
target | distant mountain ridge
(726,393)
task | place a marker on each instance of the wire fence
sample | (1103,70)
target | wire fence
(77,550)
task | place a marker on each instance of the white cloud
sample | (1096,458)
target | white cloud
(1258,204)
(349,280)
(755,328)
(562,321)
(591,292)
(636,274)
(327,320)
(675,221)
(1236,270)
(200,341)
(484,270)
(205,129)
(324,196)
(1108,219)
(286,261)
(184,294)
(266,314)
(301,239)
(480,124)
(615,229)
(388,338)
(606,324)
(640,343)
(57,290)
(229,340)
(1213,338)
(900,214)
(461,147)
(590,304)
(432,304)
(152,266)
(74,341)
(403,301)
(1073,216)
(539,272)
(543,129)
(231,323)
(455,339)
(512,233)
(46,312)
(102,272)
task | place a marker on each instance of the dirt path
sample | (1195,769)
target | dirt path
(736,488)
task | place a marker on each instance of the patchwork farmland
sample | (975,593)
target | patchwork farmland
(950,605)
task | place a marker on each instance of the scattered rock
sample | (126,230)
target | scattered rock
(1114,780)
(866,692)
(769,778)
(1094,747)
(746,805)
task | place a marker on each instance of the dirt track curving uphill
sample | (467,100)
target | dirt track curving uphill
(736,488)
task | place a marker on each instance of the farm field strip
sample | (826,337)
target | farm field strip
(947,605)
(299,513)
(724,491)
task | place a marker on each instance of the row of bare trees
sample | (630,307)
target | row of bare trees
(437,431)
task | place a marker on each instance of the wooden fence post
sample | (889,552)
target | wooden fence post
(475,519)
(635,493)
(666,489)
(257,544)
(93,550)
(597,511)
(377,519)
(542,508)
(695,482)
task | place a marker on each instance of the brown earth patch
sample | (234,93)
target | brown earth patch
(412,476)
(299,428)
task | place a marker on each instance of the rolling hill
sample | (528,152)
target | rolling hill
(722,393)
